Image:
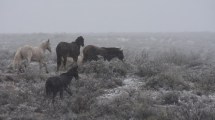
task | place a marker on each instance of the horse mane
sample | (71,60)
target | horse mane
(110,49)
(44,43)
(79,40)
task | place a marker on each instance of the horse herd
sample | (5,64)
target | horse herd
(24,55)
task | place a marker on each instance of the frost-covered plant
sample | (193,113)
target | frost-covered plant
(169,80)
(106,69)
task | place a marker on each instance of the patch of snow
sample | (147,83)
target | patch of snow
(130,84)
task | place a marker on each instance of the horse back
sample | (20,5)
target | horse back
(53,81)
(24,51)
(91,49)
(67,49)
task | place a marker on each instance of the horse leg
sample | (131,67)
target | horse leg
(58,62)
(64,62)
(28,58)
(40,64)
(53,97)
(85,58)
(77,86)
(22,66)
(20,69)
(61,93)
(68,91)
(75,59)
(43,64)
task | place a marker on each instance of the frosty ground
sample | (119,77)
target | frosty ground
(165,76)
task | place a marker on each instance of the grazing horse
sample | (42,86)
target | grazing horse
(91,52)
(29,53)
(60,83)
(64,50)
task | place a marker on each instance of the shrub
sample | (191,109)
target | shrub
(179,57)
(170,98)
(205,82)
(194,111)
(32,73)
(169,80)
(105,69)
(149,69)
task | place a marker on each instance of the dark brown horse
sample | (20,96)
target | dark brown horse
(60,83)
(64,50)
(91,52)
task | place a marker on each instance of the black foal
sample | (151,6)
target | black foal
(60,83)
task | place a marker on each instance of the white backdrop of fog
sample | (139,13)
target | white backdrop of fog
(56,16)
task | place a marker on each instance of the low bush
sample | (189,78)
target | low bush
(205,81)
(105,69)
(180,57)
(170,98)
(194,111)
(169,80)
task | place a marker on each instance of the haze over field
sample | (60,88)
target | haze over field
(167,73)
(51,16)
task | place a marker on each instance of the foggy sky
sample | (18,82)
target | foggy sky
(57,16)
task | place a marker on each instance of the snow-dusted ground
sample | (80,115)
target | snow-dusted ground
(129,84)
(30,87)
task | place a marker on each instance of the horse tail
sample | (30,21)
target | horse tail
(17,58)
(58,56)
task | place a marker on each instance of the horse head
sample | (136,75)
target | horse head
(48,45)
(113,52)
(73,72)
(121,55)
(80,41)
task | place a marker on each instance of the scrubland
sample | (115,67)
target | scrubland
(165,76)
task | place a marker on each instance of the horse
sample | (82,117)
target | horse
(91,52)
(60,83)
(29,53)
(64,50)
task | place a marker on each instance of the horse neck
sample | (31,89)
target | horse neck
(69,79)
(43,47)
(76,43)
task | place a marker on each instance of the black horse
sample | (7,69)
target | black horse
(91,52)
(64,50)
(60,83)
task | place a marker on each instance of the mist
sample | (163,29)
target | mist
(150,59)
(79,16)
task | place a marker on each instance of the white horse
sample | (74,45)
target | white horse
(29,53)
